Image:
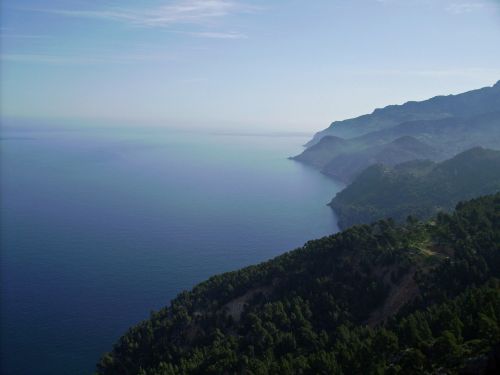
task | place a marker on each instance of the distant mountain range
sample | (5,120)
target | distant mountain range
(418,188)
(435,129)
(467,104)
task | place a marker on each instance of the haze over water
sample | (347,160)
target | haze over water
(102,225)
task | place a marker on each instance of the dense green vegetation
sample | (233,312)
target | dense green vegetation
(374,299)
(418,188)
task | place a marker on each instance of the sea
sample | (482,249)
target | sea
(100,225)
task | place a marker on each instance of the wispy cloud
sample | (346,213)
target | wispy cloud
(465,7)
(23,36)
(8,33)
(81,60)
(218,35)
(177,12)
(451,6)
(433,73)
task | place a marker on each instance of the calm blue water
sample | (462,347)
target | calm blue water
(101,226)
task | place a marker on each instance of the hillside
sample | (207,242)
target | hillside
(472,119)
(319,309)
(435,140)
(346,166)
(419,188)
(470,103)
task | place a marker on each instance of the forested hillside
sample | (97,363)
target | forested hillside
(417,188)
(374,299)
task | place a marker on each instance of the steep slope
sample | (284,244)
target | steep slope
(305,311)
(418,188)
(426,139)
(325,150)
(470,103)
(346,166)
(452,135)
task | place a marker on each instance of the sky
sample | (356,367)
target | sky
(236,64)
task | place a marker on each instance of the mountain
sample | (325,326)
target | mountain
(452,135)
(379,298)
(470,103)
(325,150)
(418,188)
(345,159)
(347,166)
(434,139)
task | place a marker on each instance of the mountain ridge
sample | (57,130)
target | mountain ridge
(437,107)
(418,188)
(472,119)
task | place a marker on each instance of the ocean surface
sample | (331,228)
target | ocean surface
(101,225)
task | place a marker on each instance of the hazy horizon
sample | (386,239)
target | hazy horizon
(233,65)
(174,201)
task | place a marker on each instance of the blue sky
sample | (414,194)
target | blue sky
(281,65)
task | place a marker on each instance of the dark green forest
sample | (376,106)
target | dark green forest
(383,298)
(418,188)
